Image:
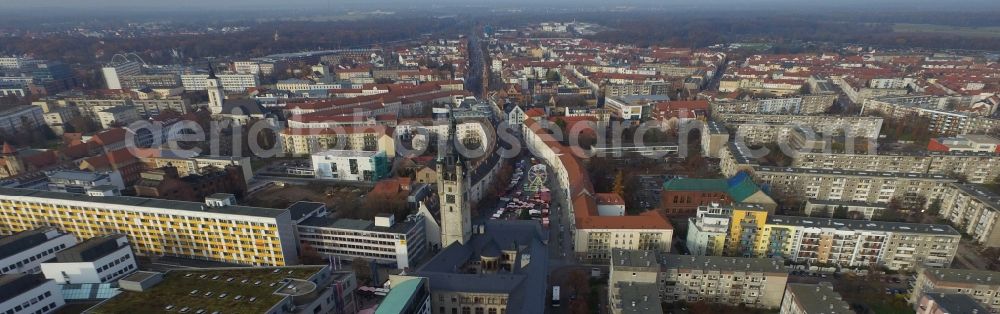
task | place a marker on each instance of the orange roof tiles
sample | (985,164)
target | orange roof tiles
(581,190)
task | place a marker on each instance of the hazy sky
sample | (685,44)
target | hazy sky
(241,5)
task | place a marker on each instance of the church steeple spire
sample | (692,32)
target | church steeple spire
(211,72)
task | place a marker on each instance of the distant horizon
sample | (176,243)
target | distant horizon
(96,7)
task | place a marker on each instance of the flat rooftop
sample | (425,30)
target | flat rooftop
(12,285)
(90,250)
(633,258)
(23,240)
(980,193)
(176,289)
(355,224)
(46,196)
(344,153)
(723,264)
(640,298)
(963,276)
(850,224)
(957,303)
(818,298)
(75,175)
(854,173)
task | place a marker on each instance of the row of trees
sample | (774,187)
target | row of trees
(256,41)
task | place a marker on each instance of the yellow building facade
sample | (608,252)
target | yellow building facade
(218,232)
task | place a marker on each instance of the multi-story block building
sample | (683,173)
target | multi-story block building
(272,290)
(214,230)
(800,184)
(714,137)
(779,125)
(633,107)
(30,294)
(253,67)
(942,303)
(976,143)
(117,116)
(974,210)
(303,141)
(803,105)
(229,82)
(981,285)
(21,119)
(113,72)
(850,209)
(708,229)
(813,299)
(384,241)
(976,167)
(137,82)
(189,164)
(350,165)
(100,259)
(754,282)
(942,120)
(848,243)
(80,182)
(24,252)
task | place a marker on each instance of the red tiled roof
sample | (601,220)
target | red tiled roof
(583,198)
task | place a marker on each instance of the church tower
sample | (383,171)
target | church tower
(216,95)
(453,183)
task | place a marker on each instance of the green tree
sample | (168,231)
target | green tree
(552,76)
(840,212)
(935,207)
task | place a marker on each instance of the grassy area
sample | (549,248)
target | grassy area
(992,31)
(335,197)
(177,286)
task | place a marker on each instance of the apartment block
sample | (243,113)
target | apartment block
(813,299)
(714,137)
(304,141)
(852,210)
(976,167)
(777,124)
(942,120)
(755,282)
(947,303)
(804,105)
(215,230)
(849,243)
(230,82)
(981,285)
(974,210)
(800,184)
(21,119)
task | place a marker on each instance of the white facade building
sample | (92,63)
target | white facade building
(24,252)
(231,82)
(30,294)
(117,116)
(350,165)
(113,73)
(383,240)
(100,259)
